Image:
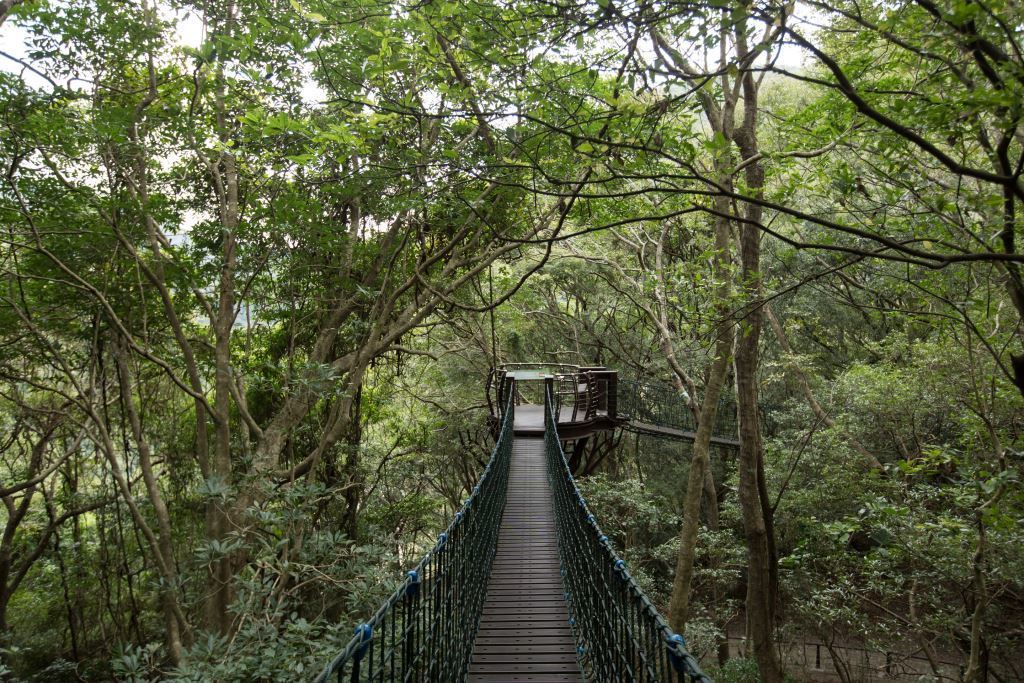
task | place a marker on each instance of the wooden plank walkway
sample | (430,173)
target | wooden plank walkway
(524,631)
(530,419)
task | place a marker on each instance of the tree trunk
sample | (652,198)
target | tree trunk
(176,632)
(352,481)
(700,464)
(721,119)
(224,177)
(762,565)
(760,589)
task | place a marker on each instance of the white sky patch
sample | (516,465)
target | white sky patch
(311,92)
(14,43)
(189,30)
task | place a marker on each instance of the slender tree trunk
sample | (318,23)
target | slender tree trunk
(700,463)
(353,476)
(58,552)
(976,672)
(176,632)
(223,173)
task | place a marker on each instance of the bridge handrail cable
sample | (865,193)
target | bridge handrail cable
(619,633)
(425,630)
(663,405)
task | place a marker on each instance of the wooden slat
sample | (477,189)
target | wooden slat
(524,631)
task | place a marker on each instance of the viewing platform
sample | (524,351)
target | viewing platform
(592,400)
(586,397)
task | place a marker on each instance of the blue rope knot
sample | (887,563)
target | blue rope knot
(677,652)
(365,633)
(603,538)
(590,518)
(442,539)
(458,515)
(414,584)
(620,566)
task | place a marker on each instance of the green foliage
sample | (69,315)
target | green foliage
(400,168)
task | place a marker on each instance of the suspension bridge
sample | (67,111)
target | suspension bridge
(523,585)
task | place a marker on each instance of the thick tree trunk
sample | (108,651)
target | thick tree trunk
(762,563)
(760,600)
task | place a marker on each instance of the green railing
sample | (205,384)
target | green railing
(619,633)
(664,406)
(425,630)
(661,405)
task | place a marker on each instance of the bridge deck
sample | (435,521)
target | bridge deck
(530,422)
(524,631)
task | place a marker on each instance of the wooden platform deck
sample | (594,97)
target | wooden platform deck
(530,418)
(524,631)
(530,422)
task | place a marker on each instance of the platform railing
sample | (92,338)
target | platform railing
(585,392)
(619,633)
(425,630)
(664,406)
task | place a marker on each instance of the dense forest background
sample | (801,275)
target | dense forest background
(258,256)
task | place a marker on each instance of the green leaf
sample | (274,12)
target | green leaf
(307,14)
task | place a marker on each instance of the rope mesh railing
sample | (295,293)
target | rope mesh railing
(619,633)
(425,630)
(662,405)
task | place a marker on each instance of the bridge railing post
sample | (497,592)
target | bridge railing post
(612,394)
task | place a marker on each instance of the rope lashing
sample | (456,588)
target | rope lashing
(365,634)
(412,588)
(682,661)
